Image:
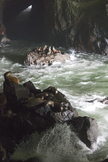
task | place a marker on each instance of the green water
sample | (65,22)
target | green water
(83,78)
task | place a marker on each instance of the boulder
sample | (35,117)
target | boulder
(86,128)
(45,56)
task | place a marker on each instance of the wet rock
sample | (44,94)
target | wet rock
(45,56)
(86,129)
(4,39)
(31,88)
(60,98)
(15,92)
(104,101)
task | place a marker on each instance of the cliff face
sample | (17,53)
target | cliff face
(81,24)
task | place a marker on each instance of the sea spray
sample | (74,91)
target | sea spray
(58,144)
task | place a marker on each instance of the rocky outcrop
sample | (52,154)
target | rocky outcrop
(26,109)
(86,129)
(45,56)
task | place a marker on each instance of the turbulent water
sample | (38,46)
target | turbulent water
(83,78)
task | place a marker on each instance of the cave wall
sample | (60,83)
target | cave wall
(81,24)
(1,12)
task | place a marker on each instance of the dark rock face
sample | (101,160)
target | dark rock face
(81,24)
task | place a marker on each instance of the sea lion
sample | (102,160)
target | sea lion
(10,78)
(54,106)
(45,47)
(56,51)
(33,102)
(49,51)
(45,96)
(51,89)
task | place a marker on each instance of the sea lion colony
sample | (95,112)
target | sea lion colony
(45,56)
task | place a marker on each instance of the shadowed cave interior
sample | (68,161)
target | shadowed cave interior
(27,24)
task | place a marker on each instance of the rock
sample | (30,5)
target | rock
(76,123)
(61,57)
(4,39)
(67,111)
(104,101)
(45,56)
(15,92)
(31,88)
(86,129)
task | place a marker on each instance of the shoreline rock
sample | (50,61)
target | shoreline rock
(28,109)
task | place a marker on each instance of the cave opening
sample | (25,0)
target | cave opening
(26,24)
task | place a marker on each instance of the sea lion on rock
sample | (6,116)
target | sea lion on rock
(49,51)
(57,107)
(51,89)
(56,51)
(45,96)
(33,102)
(10,78)
(45,48)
